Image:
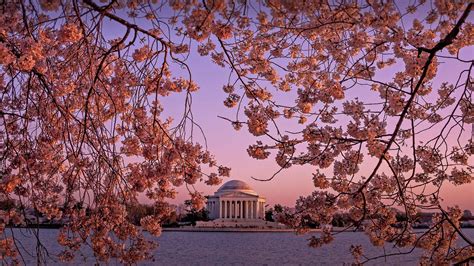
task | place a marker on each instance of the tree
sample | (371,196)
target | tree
(193,214)
(82,119)
(277,210)
(466,215)
(171,220)
(137,211)
(9,204)
(269,215)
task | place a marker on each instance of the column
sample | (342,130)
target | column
(255,210)
(236,209)
(210,208)
(244,215)
(240,209)
(258,209)
(248,210)
(232,209)
(220,208)
(223,209)
(257,215)
(251,209)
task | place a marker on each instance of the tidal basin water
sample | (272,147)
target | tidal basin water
(236,248)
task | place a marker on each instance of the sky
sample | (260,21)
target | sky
(229,146)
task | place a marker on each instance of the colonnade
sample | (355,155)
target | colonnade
(241,209)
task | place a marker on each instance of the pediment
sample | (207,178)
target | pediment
(237,195)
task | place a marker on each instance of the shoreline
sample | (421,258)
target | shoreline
(228,230)
(256,230)
(242,230)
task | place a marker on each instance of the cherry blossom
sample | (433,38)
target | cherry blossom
(83,131)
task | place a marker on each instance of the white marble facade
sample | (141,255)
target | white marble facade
(235,200)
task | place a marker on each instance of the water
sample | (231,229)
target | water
(262,249)
(237,248)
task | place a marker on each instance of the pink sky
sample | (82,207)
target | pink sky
(229,146)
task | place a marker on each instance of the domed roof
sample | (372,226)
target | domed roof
(236,185)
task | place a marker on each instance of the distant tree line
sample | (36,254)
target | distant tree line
(135,213)
(191,215)
(344,219)
(339,220)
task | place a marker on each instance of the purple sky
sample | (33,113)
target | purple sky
(229,146)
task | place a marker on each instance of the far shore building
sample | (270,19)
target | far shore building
(236,204)
(236,200)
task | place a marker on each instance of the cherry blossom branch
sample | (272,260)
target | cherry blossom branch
(432,52)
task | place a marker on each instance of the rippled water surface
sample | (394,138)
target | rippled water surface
(237,248)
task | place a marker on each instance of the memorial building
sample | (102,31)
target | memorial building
(236,205)
(236,200)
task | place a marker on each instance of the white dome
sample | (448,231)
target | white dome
(236,185)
